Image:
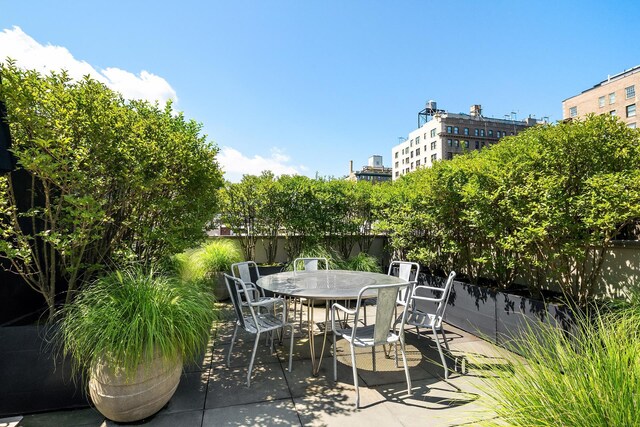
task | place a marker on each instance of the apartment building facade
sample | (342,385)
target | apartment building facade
(442,135)
(616,96)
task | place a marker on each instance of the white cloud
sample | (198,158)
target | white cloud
(29,54)
(235,164)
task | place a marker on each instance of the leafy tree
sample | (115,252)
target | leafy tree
(106,180)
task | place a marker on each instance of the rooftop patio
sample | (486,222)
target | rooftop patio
(211,394)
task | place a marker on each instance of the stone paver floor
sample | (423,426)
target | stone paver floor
(212,394)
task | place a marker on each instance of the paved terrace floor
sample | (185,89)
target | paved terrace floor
(210,394)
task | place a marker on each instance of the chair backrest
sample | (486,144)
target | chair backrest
(236,287)
(310,264)
(442,305)
(406,271)
(387,296)
(247,271)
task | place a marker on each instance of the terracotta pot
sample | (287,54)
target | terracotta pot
(126,400)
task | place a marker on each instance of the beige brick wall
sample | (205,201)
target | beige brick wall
(588,102)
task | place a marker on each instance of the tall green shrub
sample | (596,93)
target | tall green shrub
(106,180)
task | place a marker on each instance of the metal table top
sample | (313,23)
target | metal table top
(324,284)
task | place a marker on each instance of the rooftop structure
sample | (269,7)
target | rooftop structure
(615,96)
(374,171)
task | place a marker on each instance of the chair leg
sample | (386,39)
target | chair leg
(444,362)
(406,367)
(373,357)
(395,348)
(233,338)
(335,359)
(355,375)
(290,346)
(253,357)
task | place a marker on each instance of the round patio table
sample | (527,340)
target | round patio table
(327,285)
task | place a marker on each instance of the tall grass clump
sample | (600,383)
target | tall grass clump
(127,316)
(200,263)
(363,262)
(590,377)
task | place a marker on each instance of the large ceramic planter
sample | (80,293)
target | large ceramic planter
(124,399)
(220,291)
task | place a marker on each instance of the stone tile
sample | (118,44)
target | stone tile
(161,419)
(446,403)
(241,354)
(386,371)
(73,418)
(276,413)
(191,393)
(202,362)
(338,409)
(301,382)
(227,386)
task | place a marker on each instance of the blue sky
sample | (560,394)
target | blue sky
(306,86)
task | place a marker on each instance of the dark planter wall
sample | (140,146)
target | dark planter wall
(497,316)
(31,379)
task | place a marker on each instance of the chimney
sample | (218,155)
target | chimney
(350,167)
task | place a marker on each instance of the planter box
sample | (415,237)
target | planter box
(31,379)
(498,316)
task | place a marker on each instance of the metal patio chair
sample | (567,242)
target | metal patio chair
(425,317)
(380,333)
(255,322)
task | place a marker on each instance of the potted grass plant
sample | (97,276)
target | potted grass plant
(207,264)
(131,331)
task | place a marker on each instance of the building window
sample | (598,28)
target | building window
(573,111)
(632,125)
(434,157)
(630,91)
(490,132)
(457,144)
(406,161)
(425,147)
(425,160)
(411,143)
(476,132)
(411,165)
(425,136)
(418,140)
(417,151)
(396,165)
(601,101)
(433,145)
(449,156)
(466,131)
(612,113)
(448,129)
(450,142)
(477,145)
(456,130)
(631,110)
(466,144)
(433,133)
(417,163)
(612,98)
(498,134)
(412,154)
(481,132)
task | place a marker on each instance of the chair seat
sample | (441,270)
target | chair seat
(418,318)
(267,322)
(364,337)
